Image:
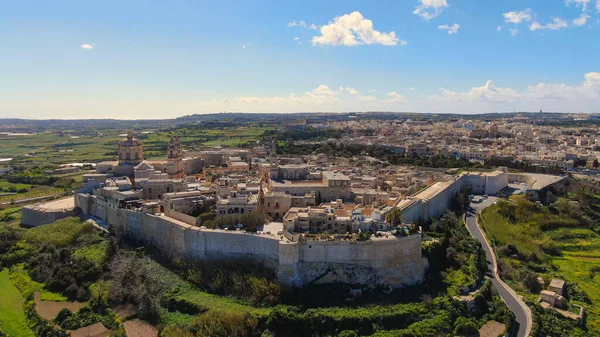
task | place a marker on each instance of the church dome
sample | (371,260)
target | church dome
(130,141)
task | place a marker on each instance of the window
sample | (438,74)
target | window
(276,205)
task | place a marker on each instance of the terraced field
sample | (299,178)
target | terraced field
(581,263)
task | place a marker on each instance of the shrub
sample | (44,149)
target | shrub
(465,326)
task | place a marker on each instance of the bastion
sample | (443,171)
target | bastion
(46,213)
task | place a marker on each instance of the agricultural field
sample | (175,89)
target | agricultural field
(93,146)
(547,242)
(12,314)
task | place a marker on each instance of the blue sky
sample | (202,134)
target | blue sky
(158,59)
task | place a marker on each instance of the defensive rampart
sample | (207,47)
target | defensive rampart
(384,261)
(46,213)
(433,201)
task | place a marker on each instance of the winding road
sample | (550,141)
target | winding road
(510,297)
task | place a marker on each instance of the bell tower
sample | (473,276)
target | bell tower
(175,159)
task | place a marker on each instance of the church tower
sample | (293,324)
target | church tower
(175,159)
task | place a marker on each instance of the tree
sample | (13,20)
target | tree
(394,217)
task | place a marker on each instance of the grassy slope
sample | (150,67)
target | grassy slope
(12,317)
(60,233)
(580,248)
(581,253)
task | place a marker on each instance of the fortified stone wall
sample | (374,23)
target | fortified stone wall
(434,206)
(32,216)
(48,212)
(393,262)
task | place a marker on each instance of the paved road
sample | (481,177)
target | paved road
(514,302)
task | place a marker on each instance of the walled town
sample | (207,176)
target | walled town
(315,211)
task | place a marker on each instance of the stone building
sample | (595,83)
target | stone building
(175,167)
(318,220)
(237,204)
(156,188)
(332,186)
(130,151)
(131,162)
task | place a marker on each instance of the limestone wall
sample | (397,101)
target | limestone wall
(522,178)
(32,216)
(47,212)
(394,262)
(188,219)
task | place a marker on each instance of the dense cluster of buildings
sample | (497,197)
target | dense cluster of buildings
(517,138)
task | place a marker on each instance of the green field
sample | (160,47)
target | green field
(60,147)
(12,316)
(575,255)
(581,256)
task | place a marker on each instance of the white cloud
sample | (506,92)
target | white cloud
(518,17)
(349,90)
(499,28)
(598,5)
(582,3)
(371,90)
(589,90)
(488,92)
(412,89)
(296,38)
(322,95)
(367,98)
(581,21)
(302,24)
(429,9)
(451,29)
(352,91)
(87,46)
(513,31)
(394,97)
(556,24)
(246,45)
(352,30)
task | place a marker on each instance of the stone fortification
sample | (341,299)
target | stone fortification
(433,201)
(46,213)
(385,261)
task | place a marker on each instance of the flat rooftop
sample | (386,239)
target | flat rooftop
(433,190)
(67,203)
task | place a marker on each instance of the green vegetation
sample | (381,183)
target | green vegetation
(96,253)
(555,241)
(456,258)
(60,234)
(20,279)
(12,316)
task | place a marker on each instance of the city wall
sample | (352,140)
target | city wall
(392,261)
(435,200)
(43,214)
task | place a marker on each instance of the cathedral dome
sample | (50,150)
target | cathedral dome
(130,141)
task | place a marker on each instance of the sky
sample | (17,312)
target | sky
(162,59)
